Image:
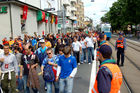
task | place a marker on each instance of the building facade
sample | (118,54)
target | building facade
(80,15)
(13,25)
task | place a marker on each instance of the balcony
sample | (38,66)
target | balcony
(73,9)
(66,3)
(74,1)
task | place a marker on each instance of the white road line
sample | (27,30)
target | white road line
(93,73)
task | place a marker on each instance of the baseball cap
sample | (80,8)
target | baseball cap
(105,50)
(101,36)
(42,41)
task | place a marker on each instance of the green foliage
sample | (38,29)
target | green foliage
(123,13)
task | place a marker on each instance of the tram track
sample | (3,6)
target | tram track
(127,79)
(125,82)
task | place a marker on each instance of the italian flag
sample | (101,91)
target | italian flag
(47,17)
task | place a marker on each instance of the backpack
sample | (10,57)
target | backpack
(48,73)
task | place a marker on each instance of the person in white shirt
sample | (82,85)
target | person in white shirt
(77,47)
(83,55)
(89,42)
(1,49)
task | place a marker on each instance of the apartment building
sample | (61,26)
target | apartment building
(80,15)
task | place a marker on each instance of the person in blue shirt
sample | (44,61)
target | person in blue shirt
(34,42)
(51,60)
(41,52)
(66,70)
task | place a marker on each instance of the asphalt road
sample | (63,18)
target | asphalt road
(81,80)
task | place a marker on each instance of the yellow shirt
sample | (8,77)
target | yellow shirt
(11,42)
(48,44)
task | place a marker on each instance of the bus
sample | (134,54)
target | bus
(106,28)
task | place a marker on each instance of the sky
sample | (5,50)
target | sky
(93,9)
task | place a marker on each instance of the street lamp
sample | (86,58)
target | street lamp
(49,9)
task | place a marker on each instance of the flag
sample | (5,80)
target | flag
(43,16)
(52,19)
(56,19)
(43,32)
(25,10)
(40,16)
(47,17)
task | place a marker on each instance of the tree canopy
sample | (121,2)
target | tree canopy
(123,13)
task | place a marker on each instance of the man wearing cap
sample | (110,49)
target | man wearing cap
(109,77)
(120,47)
(41,52)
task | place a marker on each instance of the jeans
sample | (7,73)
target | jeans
(77,55)
(49,87)
(83,56)
(26,89)
(90,54)
(120,52)
(66,85)
(20,81)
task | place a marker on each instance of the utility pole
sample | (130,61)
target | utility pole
(64,29)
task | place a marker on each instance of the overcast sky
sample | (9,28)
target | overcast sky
(93,9)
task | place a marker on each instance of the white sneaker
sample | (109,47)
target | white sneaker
(89,63)
(45,88)
(78,63)
(84,61)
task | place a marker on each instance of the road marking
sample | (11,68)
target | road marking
(93,73)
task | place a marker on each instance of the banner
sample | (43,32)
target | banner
(25,11)
(52,19)
(47,17)
(40,16)
(56,19)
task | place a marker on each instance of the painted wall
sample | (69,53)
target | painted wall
(5,27)
(41,28)
(16,20)
(31,22)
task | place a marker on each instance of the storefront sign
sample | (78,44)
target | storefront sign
(59,26)
(3,9)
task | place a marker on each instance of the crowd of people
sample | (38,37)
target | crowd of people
(57,57)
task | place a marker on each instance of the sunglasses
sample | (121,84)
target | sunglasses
(49,53)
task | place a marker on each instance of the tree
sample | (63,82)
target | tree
(123,13)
